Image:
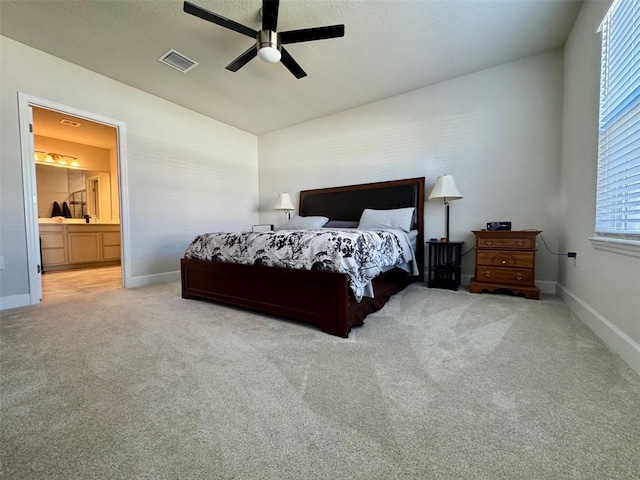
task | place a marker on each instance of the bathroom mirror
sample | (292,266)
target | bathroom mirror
(85,192)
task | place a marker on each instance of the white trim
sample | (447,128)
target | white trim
(15,301)
(616,245)
(616,4)
(30,190)
(156,279)
(621,343)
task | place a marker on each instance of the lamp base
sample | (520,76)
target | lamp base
(446,208)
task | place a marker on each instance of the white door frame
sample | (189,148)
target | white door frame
(25,102)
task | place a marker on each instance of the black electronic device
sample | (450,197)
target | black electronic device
(498,225)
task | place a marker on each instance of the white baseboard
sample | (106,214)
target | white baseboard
(544,285)
(15,301)
(148,280)
(621,343)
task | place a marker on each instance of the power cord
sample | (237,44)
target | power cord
(470,250)
(567,254)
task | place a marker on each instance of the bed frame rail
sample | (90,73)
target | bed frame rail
(320,298)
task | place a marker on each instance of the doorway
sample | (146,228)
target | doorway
(92,148)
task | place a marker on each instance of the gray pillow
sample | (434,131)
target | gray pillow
(341,224)
(304,223)
(397,219)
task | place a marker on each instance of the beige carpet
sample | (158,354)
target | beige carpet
(438,385)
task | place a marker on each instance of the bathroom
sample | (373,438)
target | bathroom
(78,196)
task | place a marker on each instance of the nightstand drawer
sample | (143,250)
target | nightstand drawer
(507,259)
(511,276)
(487,241)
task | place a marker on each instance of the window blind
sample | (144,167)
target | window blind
(618,187)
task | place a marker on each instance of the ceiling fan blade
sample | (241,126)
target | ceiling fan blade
(243,59)
(270,14)
(309,34)
(288,61)
(218,20)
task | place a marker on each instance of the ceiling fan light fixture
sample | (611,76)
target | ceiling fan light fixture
(269,54)
(268,41)
(268,46)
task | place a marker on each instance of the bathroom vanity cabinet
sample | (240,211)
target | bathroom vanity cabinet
(66,246)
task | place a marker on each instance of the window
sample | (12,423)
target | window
(618,187)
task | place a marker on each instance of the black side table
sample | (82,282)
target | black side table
(444,265)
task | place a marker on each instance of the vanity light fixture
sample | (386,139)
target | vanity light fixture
(56,159)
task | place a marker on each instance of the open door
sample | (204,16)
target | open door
(34,260)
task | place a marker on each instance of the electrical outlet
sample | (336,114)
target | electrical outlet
(572,254)
(176,248)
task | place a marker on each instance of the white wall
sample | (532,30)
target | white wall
(187,173)
(497,131)
(602,287)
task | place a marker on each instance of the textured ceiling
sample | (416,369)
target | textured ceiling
(390,47)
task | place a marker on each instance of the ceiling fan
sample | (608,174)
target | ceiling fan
(268,40)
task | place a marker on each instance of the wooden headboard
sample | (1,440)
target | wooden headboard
(348,202)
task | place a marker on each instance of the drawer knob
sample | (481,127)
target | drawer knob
(503,259)
(519,276)
(488,242)
(487,274)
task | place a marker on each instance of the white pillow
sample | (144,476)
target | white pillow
(304,223)
(397,219)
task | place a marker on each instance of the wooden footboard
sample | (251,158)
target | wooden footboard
(320,298)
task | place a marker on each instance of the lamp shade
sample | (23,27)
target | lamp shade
(284,202)
(445,188)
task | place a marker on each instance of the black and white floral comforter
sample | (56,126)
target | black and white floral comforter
(361,254)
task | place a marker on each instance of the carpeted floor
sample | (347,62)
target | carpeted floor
(438,385)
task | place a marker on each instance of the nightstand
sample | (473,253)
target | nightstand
(506,260)
(444,265)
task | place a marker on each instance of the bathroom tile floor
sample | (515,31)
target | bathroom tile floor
(71,283)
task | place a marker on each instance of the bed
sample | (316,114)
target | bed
(321,298)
